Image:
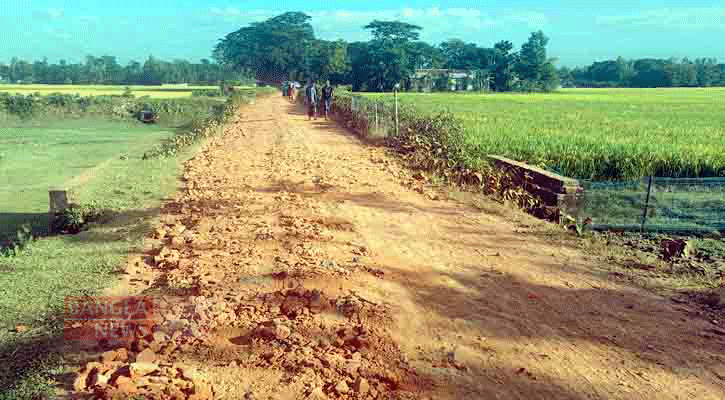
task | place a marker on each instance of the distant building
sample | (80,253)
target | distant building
(426,80)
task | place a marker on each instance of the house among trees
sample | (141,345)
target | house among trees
(427,80)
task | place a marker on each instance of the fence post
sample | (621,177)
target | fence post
(397,128)
(354,111)
(646,203)
(377,128)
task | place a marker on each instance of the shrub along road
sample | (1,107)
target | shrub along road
(300,263)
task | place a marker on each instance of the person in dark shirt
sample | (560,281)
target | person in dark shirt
(327,93)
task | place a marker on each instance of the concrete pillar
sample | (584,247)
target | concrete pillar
(58,200)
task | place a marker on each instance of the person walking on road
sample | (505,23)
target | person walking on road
(291,91)
(312,100)
(327,92)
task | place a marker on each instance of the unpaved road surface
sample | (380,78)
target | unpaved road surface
(298,262)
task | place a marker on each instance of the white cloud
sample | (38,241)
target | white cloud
(533,20)
(689,19)
(56,33)
(50,13)
(463,12)
(235,12)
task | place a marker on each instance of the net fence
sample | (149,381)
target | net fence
(375,116)
(660,204)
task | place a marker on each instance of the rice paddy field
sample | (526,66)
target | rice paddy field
(163,91)
(593,134)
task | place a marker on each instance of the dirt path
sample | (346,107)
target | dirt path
(309,265)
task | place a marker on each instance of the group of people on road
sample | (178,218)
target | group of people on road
(317,100)
(315,97)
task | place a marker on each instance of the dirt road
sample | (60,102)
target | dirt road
(310,265)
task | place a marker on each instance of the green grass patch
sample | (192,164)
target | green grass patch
(597,134)
(40,154)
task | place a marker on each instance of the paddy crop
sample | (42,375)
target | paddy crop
(593,133)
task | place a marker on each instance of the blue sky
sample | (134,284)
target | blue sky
(580,32)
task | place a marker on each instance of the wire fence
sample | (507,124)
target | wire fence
(657,204)
(370,116)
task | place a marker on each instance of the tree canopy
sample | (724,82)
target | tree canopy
(273,49)
(393,31)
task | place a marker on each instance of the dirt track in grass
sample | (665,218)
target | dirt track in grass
(298,262)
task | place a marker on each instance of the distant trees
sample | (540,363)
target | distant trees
(647,72)
(107,70)
(285,47)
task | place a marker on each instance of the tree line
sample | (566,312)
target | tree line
(285,48)
(106,70)
(647,72)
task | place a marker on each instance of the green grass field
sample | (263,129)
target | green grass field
(99,160)
(164,91)
(40,154)
(594,133)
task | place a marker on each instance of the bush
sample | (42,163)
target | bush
(19,105)
(206,92)
(74,219)
(13,246)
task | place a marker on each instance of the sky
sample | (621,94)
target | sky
(580,32)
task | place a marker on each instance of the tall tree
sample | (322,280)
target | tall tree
(425,56)
(327,60)
(504,63)
(393,31)
(273,48)
(387,60)
(532,59)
